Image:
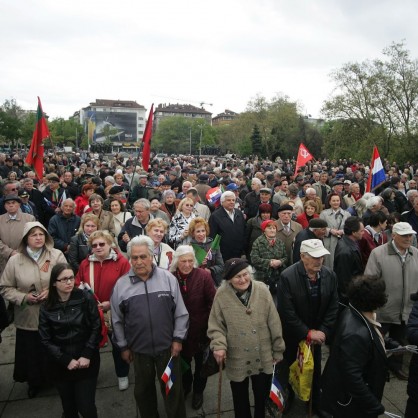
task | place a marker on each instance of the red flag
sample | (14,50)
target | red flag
(146,140)
(35,157)
(303,157)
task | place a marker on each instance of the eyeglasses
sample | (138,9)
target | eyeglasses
(98,244)
(66,279)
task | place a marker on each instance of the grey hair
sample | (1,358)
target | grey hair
(143,202)
(68,200)
(310,190)
(410,194)
(250,271)
(167,193)
(373,201)
(182,250)
(141,240)
(226,194)
(256,180)
(110,179)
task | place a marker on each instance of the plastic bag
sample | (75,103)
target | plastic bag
(301,372)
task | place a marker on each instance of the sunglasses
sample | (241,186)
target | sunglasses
(99,244)
(66,279)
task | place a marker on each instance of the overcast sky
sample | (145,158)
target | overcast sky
(222,52)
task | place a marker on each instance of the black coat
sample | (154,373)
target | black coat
(79,250)
(131,230)
(70,331)
(232,233)
(301,236)
(355,374)
(412,335)
(295,306)
(347,264)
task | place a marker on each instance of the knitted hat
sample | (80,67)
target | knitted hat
(266,223)
(233,266)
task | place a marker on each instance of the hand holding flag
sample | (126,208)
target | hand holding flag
(168,377)
(276,392)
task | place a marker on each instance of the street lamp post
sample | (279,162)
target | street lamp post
(200,144)
(190,139)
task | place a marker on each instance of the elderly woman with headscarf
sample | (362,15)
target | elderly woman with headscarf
(25,283)
(198,291)
(245,329)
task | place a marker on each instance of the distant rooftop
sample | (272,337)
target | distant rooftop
(117,103)
(181,108)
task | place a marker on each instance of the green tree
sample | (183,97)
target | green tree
(256,141)
(380,97)
(177,134)
(10,121)
(280,124)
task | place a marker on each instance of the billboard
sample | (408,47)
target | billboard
(113,126)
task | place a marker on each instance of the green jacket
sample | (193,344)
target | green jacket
(261,254)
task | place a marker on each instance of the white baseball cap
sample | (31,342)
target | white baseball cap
(314,247)
(403,228)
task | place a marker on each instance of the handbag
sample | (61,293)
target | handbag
(209,364)
(301,372)
(107,316)
(5,314)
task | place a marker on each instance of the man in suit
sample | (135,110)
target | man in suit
(287,229)
(229,223)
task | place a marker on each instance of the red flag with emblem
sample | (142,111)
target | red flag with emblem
(303,157)
(35,157)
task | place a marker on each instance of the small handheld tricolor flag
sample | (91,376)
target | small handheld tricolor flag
(276,393)
(168,377)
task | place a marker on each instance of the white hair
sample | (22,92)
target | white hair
(139,241)
(226,194)
(373,201)
(256,180)
(180,251)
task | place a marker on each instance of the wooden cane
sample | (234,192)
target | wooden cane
(219,391)
(310,398)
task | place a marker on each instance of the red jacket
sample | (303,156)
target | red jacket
(303,220)
(367,244)
(106,274)
(198,298)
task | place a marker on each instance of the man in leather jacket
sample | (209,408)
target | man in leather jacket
(307,302)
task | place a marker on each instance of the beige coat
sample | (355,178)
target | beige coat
(251,336)
(401,281)
(23,275)
(11,233)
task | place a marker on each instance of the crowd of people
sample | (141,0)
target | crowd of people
(243,256)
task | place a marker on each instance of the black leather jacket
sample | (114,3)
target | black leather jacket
(295,306)
(355,374)
(72,330)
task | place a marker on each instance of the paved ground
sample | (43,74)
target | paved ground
(14,402)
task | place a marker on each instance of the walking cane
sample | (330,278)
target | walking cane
(310,399)
(219,391)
